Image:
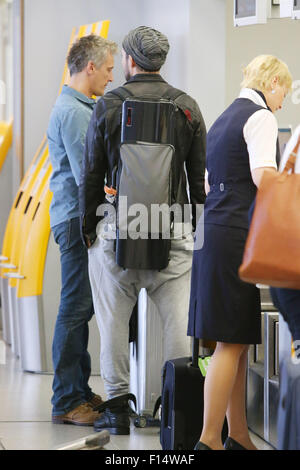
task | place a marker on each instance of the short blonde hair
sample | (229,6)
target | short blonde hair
(261,70)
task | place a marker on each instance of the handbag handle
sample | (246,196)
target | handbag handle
(290,164)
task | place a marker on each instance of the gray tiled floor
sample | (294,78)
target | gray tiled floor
(25,415)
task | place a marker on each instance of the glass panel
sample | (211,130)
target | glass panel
(245,8)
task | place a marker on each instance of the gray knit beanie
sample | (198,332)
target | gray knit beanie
(148,47)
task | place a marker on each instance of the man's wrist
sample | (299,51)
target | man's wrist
(89,240)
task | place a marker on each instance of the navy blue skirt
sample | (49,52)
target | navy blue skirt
(222,307)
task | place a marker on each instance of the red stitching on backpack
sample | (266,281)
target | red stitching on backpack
(187,112)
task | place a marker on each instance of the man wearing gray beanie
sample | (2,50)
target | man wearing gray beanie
(147,47)
(115,289)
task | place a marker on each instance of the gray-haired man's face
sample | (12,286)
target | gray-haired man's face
(101,76)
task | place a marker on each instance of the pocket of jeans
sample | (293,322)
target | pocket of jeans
(61,234)
(74,236)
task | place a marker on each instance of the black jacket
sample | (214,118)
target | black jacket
(103,143)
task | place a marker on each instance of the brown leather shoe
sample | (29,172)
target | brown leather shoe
(83,415)
(95,401)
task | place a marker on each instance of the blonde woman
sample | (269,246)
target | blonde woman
(241,145)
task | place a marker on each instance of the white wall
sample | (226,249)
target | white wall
(207,56)
(279,37)
(48,27)
(2,62)
(17,147)
(171,17)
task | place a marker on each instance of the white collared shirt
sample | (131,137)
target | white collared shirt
(260,133)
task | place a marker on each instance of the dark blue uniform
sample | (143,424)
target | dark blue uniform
(222,307)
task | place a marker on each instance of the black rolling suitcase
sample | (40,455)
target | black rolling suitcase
(182,401)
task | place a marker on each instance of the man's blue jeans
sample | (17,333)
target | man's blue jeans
(287,301)
(71,360)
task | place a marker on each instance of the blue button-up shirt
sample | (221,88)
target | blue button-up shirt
(66,134)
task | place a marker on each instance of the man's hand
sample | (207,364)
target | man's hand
(88,242)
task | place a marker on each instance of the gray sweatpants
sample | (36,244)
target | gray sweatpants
(115,292)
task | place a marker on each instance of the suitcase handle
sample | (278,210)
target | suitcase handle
(195,356)
(165,405)
(165,401)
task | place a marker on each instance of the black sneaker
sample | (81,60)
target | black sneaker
(115,415)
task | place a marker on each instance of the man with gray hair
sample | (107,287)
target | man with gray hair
(90,62)
(115,289)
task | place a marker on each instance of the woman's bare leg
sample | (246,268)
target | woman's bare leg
(219,384)
(236,411)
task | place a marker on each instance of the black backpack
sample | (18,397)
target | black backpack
(144,179)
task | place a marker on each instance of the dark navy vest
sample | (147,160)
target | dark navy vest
(232,190)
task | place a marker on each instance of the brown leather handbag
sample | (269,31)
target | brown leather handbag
(272,250)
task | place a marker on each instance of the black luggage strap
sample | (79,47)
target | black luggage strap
(156,406)
(122,93)
(195,356)
(116,402)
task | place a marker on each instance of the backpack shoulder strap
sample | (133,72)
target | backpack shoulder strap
(122,93)
(173,94)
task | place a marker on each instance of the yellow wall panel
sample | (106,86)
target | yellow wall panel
(6,135)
